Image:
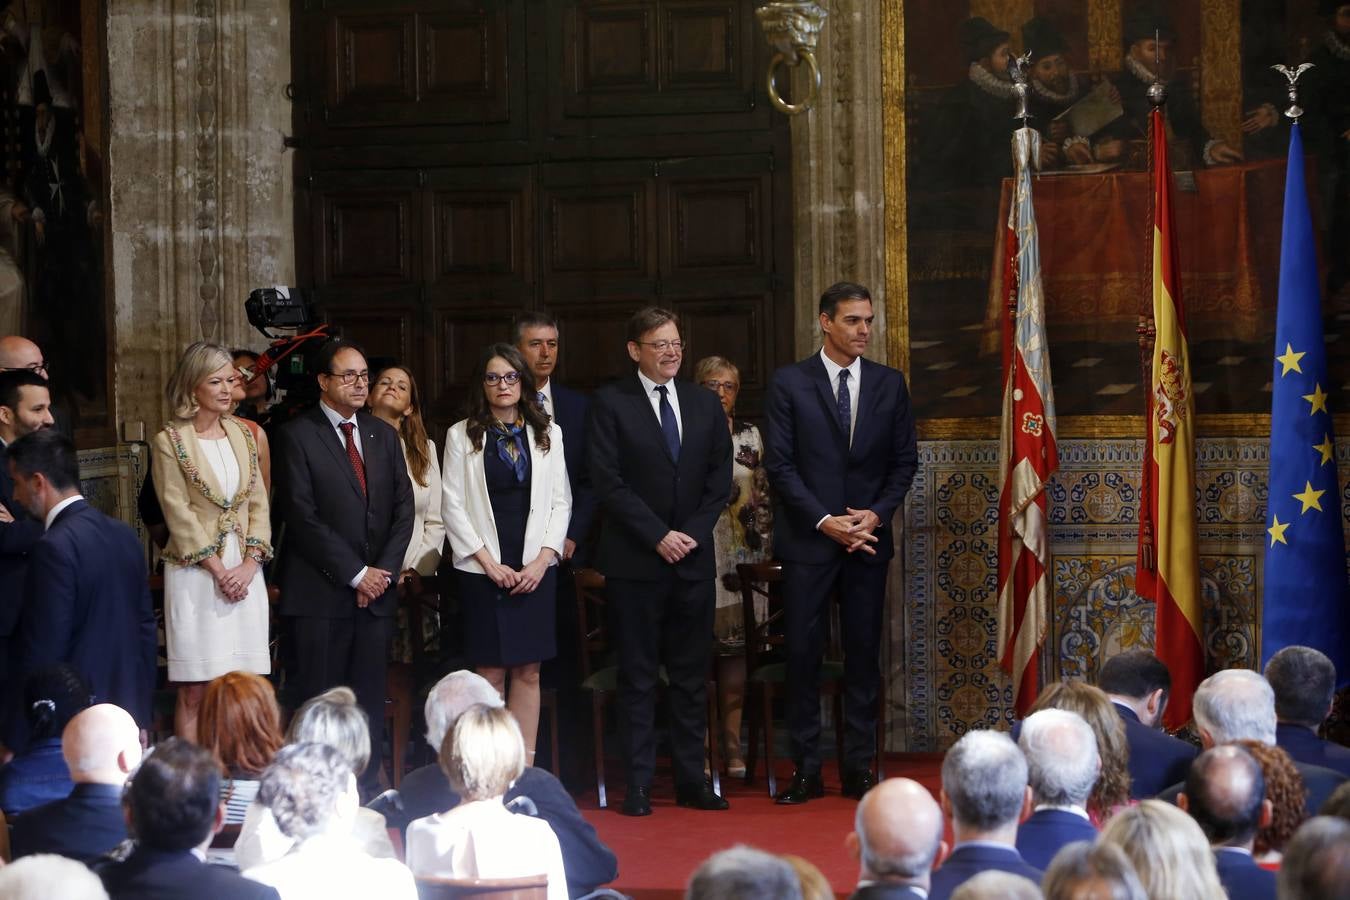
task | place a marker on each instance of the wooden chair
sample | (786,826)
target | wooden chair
(600,673)
(531,887)
(4,838)
(226,837)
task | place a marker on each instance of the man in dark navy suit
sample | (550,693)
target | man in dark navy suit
(347,503)
(896,838)
(985,794)
(660,462)
(101,747)
(1304,681)
(1062,766)
(1226,794)
(86,595)
(25,407)
(840,455)
(1138,684)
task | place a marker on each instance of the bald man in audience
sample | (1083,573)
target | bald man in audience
(985,794)
(101,747)
(896,838)
(20,353)
(1226,795)
(1062,767)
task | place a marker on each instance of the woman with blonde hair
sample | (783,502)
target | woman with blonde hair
(1169,851)
(1112,791)
(209,483)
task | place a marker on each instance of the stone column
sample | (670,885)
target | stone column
(201,203)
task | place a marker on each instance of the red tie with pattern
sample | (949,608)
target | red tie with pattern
(354,455)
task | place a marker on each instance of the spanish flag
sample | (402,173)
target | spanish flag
(1169,566)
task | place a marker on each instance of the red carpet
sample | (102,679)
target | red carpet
(657,854)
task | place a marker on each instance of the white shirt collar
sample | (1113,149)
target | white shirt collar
(832,368)
(650,386)
(56,510)
(1069,808)
(1243,850)
(334,418)
(547,391)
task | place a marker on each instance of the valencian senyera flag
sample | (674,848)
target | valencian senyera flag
(1168,570)
(1027,442)
(1305,597)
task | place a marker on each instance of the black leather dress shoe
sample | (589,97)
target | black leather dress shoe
(699,796)
(858,782)
(803,787)
(637,802)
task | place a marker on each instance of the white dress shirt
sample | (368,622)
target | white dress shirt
(337,422)
(832,369)
(56,510)
(655,399)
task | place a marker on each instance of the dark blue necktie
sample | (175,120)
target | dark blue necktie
(669,427)
(845,405)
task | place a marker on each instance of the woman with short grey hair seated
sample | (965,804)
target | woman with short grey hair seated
(334,719)
(311,792)
(481,838)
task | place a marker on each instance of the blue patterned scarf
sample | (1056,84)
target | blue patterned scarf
(511,446)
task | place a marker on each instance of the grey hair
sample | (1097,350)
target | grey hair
(336,719)
(1062,759)
(1235,705)
(910,866)
(1316,860)
(44,875)
(450,697)
(1083,861)
(996,885)
(985,777)
(1304,682)
(302,787)
(744,873)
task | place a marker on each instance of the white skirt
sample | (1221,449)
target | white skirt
(208,635)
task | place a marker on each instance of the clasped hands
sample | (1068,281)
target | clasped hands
(372,586)
(233,582)
(853,530)
(519,582)
(675,546)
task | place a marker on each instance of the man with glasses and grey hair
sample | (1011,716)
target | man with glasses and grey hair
(426,791)
(1062,766)
(985,794)
(347,507)
(896,838)
(1304,682)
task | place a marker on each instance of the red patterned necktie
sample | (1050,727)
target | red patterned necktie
(353,455)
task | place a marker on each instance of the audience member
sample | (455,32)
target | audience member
(240,724)
(896,838)
(661,491)
(744,873)
(248,406)
(52,696)
(1287,795)
(425,791)
(1084,871)
(1112,790)
(19,353)
(1062,767)
(1225,795)
(349,519)
(334,719)
(37,877)
(258,392)
(312,794)
(209,484)
(743,534)
(1138,684)
(506,503)
(1238,704)
(1338,804)
(995,885)
(174,809)
(25,407)
(810,879)
(480,837)
(86,594)
(1169,851)
(1304,682)
(985,794)
(101,745)
(1317,862)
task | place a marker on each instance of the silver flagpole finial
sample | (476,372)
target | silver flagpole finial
(1157,91)
(1292,75)
(1019,68)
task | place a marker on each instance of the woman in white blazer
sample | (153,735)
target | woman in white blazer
(506,503)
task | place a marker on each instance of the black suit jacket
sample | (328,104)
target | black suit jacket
(87,603)
(880,891)
(814,470)
(332,529)
(1242,878)
(1040,837)
(570,409)
(1319,781)
(16,541)
(156,875)
(1157,759)
(1305,746)
(967,861)
(643,493)
(83,826)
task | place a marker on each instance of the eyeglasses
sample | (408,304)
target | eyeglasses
(350,377)
(38,368)
(728,386)
(663,346)
(495,378)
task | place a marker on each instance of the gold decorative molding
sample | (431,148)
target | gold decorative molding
(1007,15)
(897,211)
(1104,35)
(1221,69)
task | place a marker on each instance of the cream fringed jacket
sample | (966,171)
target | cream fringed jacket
(198,515)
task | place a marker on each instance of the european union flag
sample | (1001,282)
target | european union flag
(1306,599)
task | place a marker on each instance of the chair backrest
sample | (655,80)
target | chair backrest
(531,887)
(226,837)
(762,586)
(420,597)
(592,622)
